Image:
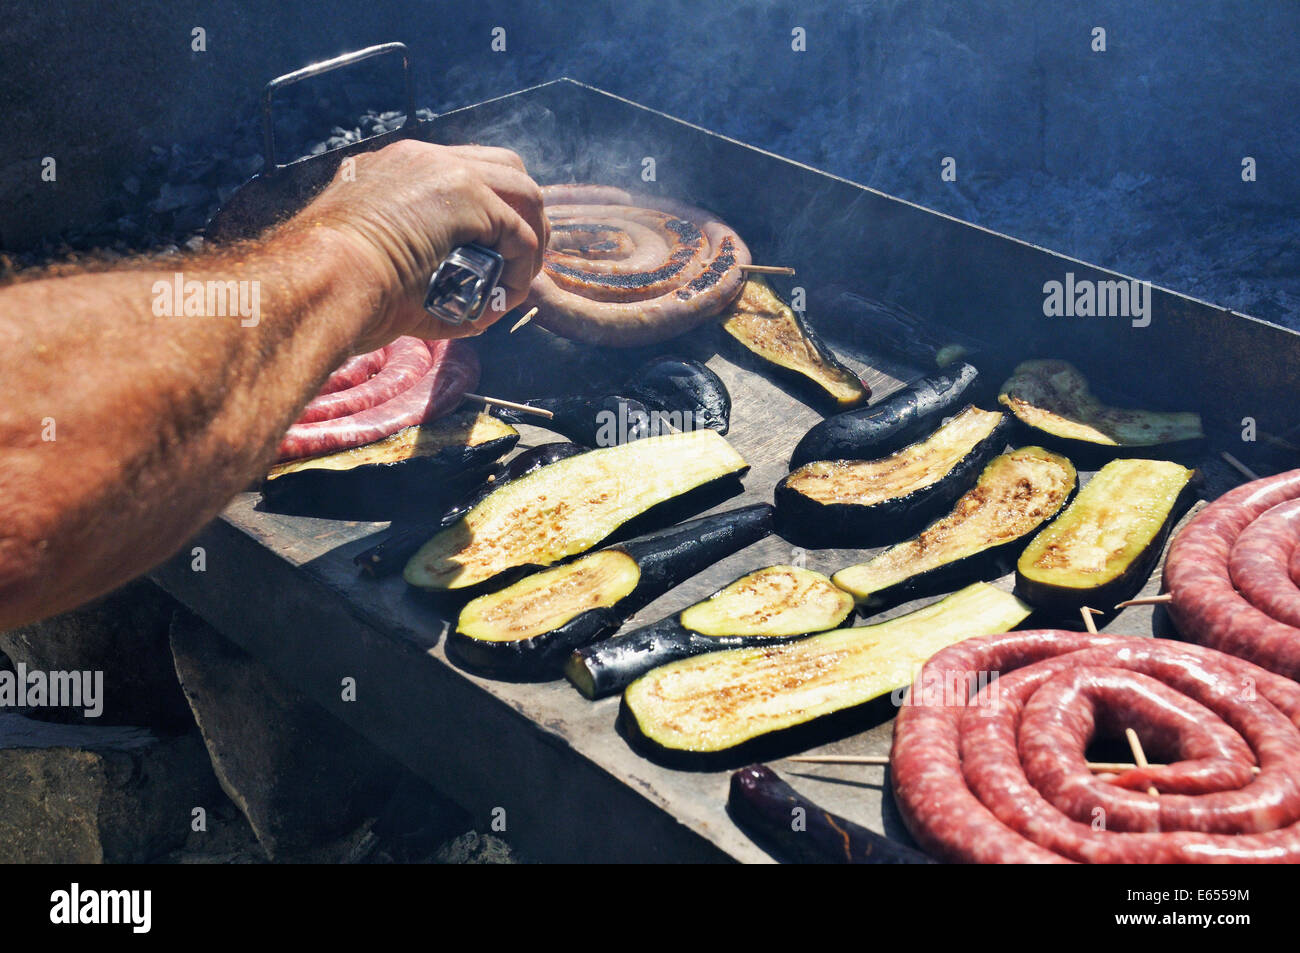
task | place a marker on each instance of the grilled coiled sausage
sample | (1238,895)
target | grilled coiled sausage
(626,270)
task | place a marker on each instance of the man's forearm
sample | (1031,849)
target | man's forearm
(128,423)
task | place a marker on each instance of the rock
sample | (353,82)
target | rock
(124,635)
(301,777)
(475,848)
(110,794)
(172,197)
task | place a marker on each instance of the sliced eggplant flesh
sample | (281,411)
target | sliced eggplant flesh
(769,328)
(528,629)
(546,600)
(1054,397)
(1014,495)
(453,434)
(1101,549)
(568,507)
(715,702)
(404,539)
(776,601)
(416,470)
(769,605)
(861,502)
(906,415)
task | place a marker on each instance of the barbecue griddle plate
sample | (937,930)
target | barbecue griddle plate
(285,589)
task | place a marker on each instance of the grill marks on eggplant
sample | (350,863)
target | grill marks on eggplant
(1016,493)
(1105,544)
(548,599)
(1053,397)
(768,328)
(769,605)
(528,629)
(891,424)
(716,702)
(863,502)
(435,461)
(568,507)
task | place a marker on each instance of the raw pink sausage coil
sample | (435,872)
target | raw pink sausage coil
(625,270)
(371,413)
(1232,574)
(404,362)
(1000,775)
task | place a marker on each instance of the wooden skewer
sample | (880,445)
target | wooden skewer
(1087,614)
(768,269)
(1140,756)
(532,313)
(1162,599)
(522,408)
(1237,465)
(1110,767)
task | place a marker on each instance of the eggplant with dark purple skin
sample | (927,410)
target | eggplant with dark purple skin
(401,543)
(764,806)
(765,607)
(528,629)
(891,424)
(783,340)
(401,473)
(601,421)
(678,386)
(875,325)
(870,502)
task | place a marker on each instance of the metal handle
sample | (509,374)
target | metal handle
(326,66)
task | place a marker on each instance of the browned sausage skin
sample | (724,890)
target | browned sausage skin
(999,775)
(625,270)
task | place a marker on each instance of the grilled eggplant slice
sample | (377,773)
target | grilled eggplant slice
(390,554)
(677,386)
(1102,548)
(763,805)
(568,507)
(722,701)
(871,432)
(528,629)
(869,502)
(771,330)
(1016,493)
(376,480)
(1053,400)
(768,606)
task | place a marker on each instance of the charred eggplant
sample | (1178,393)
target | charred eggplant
(568,507)
(529,628)
(868,502)
(1014,495)
(898,332)
(889,425)
(601,421)
(771,330)
(1103,547)
(400,543)
(724,700)
(764,805)
(375,480)
(1053,400)
(685,388)
(765,607)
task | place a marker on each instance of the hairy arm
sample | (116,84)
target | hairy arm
(157,420)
